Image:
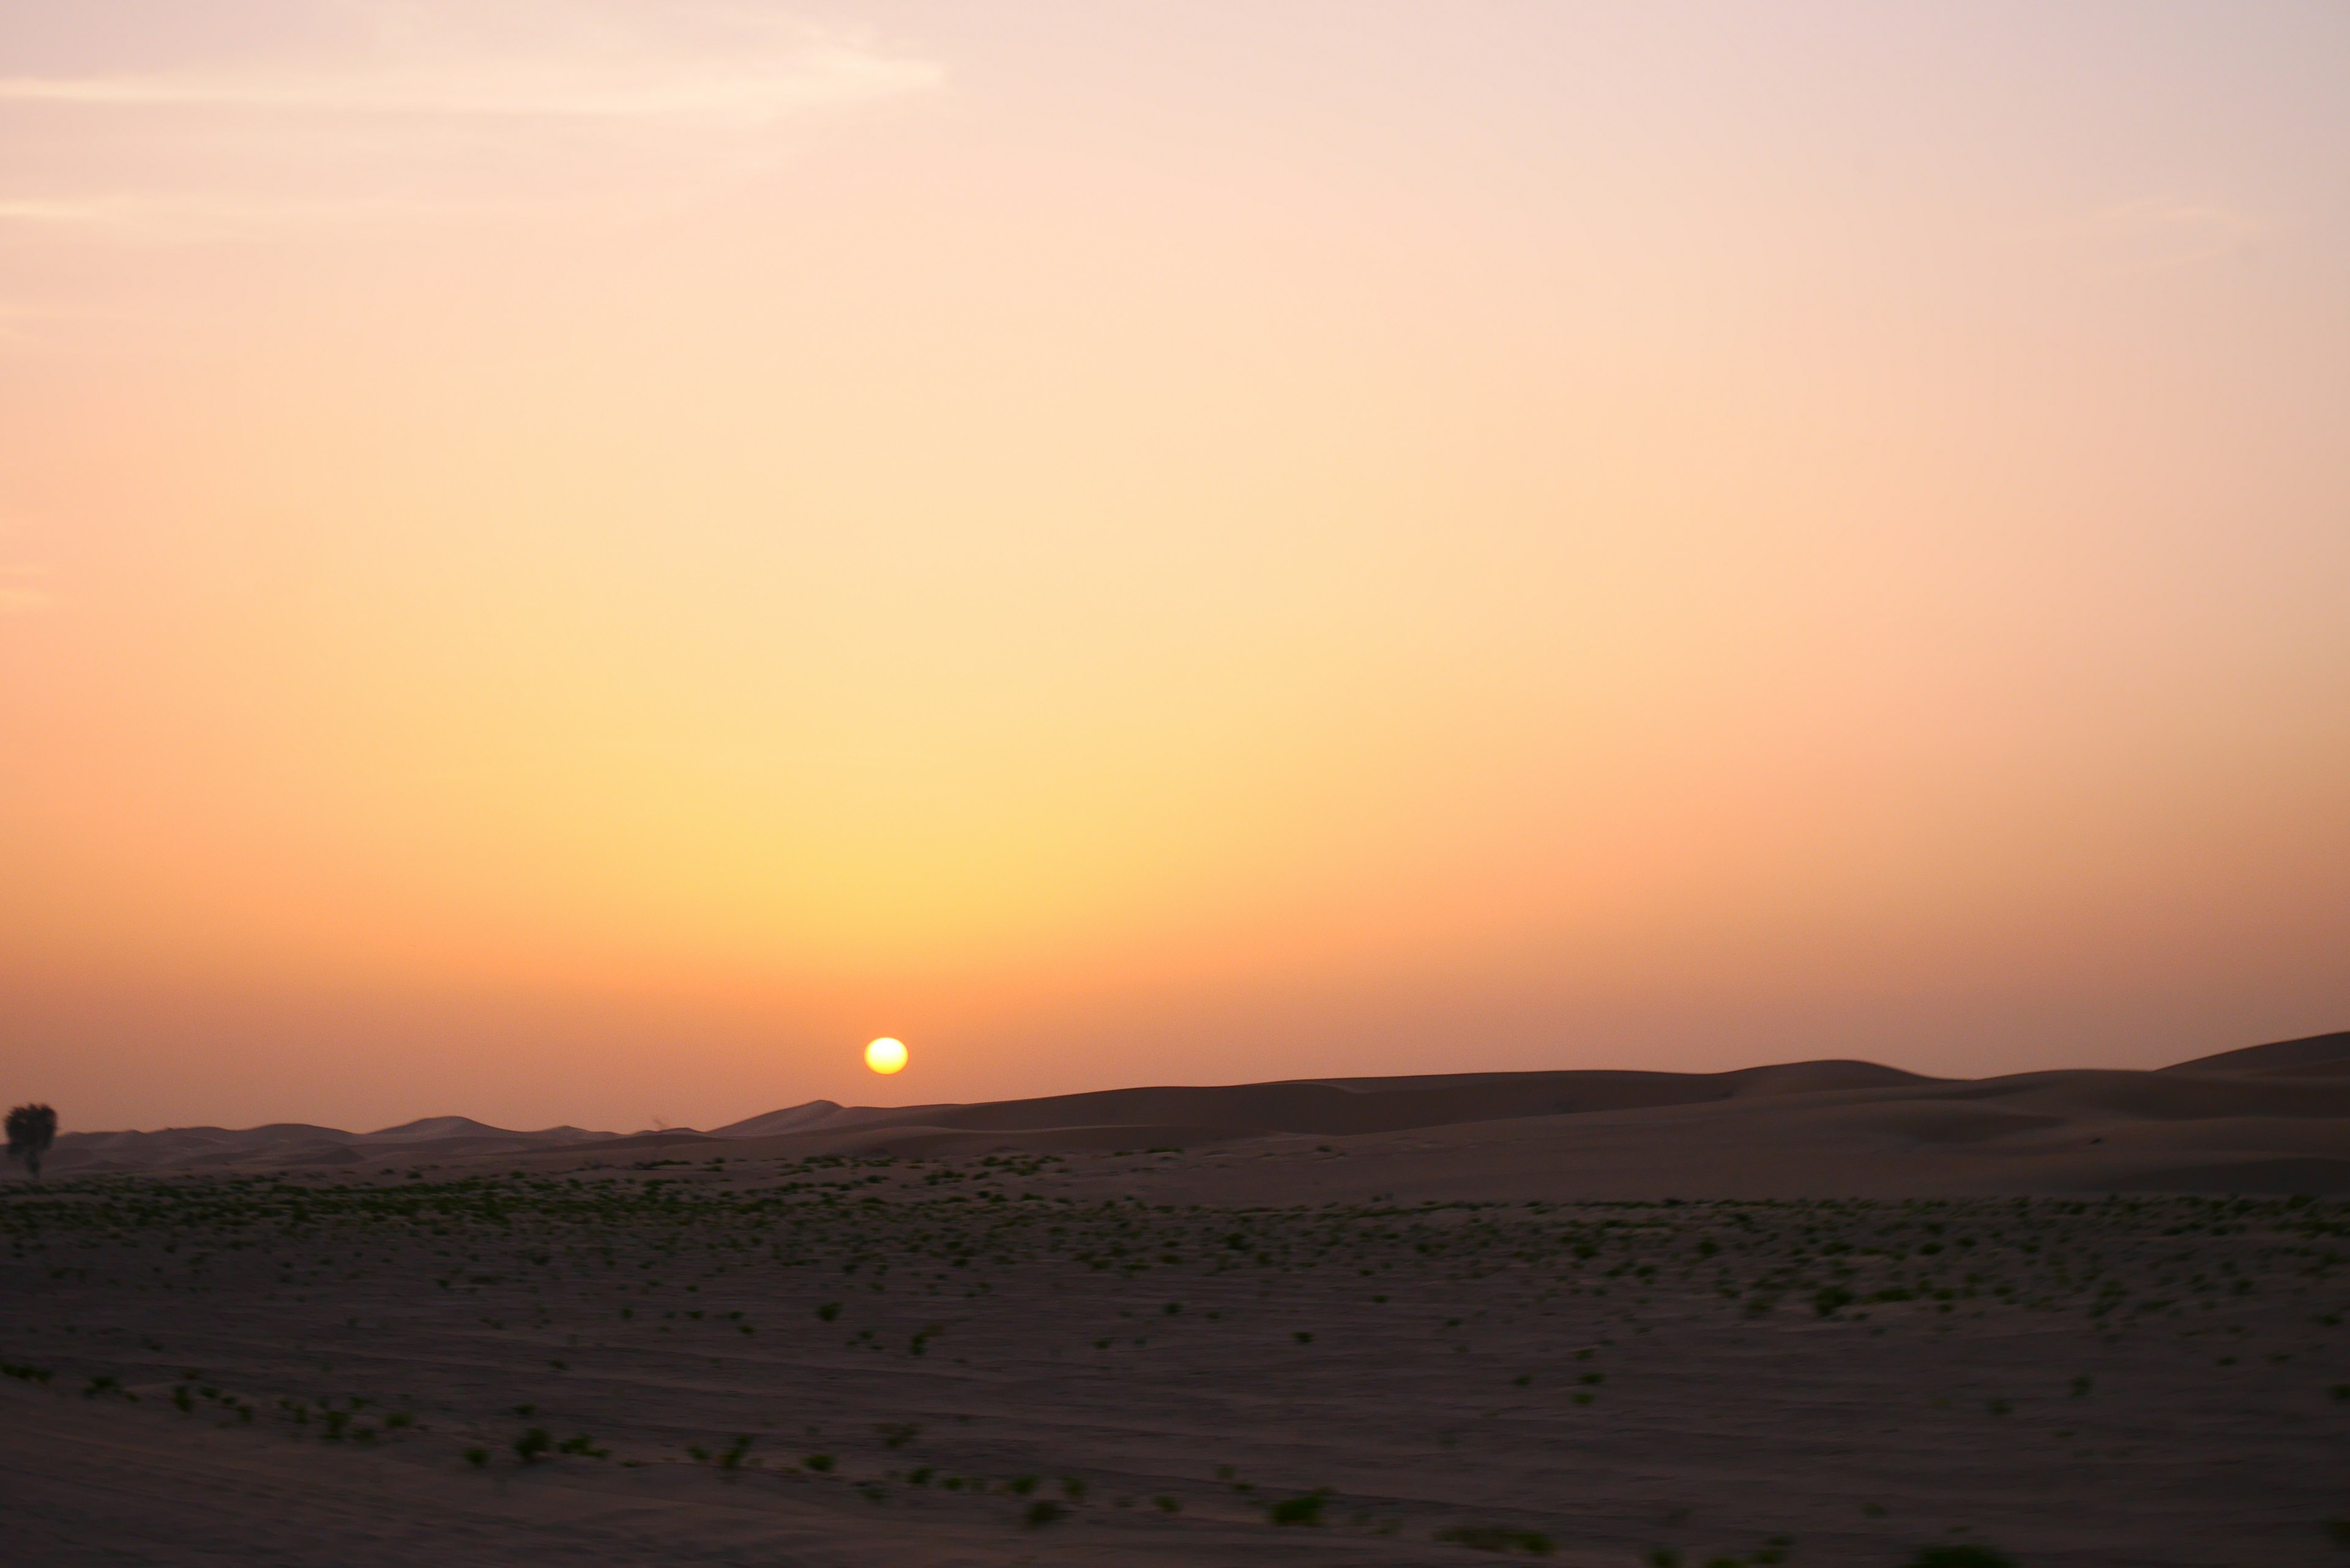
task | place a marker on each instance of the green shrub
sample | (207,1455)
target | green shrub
(1961,1554)
(1488,1538)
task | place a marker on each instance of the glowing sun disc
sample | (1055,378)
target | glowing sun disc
(884,1055)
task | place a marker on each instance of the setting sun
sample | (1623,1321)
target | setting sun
(1395,629)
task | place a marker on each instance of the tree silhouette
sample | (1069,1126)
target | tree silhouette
(31,1130)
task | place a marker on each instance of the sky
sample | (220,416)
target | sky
(574,562)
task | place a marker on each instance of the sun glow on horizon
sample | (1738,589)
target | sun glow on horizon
(1159,543)
(884,1055)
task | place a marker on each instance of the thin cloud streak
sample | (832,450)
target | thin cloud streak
(167,218)
(419,115)
(580,90)
(20,590)
(2154,232)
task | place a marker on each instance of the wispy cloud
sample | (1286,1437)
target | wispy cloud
(21,589)
(2153,233)
(610,84)
(420,105)
(165,217)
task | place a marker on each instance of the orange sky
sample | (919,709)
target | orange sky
(574,562)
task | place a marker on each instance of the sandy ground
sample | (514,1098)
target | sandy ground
(1073,1355)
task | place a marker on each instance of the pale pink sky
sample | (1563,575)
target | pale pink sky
(574,562)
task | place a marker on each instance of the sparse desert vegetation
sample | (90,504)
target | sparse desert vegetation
(1568,1381)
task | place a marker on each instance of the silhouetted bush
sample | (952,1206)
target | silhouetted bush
(31,1130)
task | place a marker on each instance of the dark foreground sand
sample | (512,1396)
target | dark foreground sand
(753,1350)
(260,1372)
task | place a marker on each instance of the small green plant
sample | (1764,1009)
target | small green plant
(1020,1486)
(1487,1538)
(1043,1511)
(829,1311)
(1829,1301)
(1166,1504)
(583,1445)
(1305,1509)
(477,1457)
(1961,1554)
(819,1463)
(731,1458)
(531,1446)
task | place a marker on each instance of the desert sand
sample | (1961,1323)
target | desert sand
(1825,1312)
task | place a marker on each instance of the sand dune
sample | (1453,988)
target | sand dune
(2314,1056)
(2235,1122)
(2272,1117)
(295,1144)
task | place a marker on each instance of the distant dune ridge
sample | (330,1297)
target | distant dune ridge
(2266,1118)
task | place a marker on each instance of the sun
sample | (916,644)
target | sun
(885,1054)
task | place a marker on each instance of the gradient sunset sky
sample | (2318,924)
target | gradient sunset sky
(574,562)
